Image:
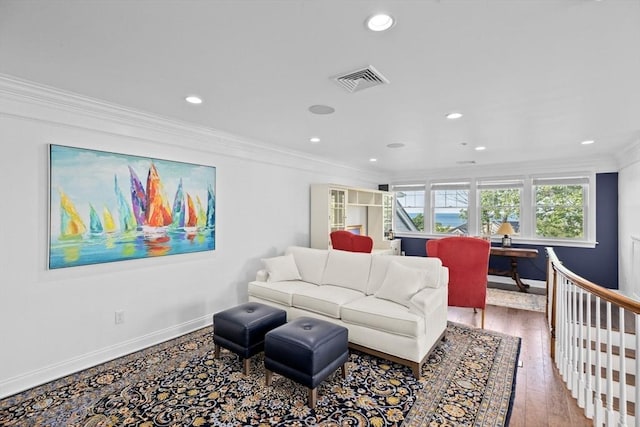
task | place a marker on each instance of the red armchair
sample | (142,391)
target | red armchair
(468,261)
(345,241)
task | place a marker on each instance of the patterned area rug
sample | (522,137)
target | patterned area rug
(515,299)
(469,379)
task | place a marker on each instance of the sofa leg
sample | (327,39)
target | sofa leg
(245,366)
(313,396)
(416,369)
(344,370)
(216,351)
(267,377)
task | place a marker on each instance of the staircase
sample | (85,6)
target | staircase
(594,342)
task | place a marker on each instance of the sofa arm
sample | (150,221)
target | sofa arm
(262,276)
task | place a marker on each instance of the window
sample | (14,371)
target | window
(561,207)
(450,207)
(500,201)
(539,208)
(410,208)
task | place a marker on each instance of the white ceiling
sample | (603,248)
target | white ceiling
(533,78)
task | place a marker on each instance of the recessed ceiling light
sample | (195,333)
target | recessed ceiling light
(395,145)
(590,141)
(372,160)
(481,148)
(380,22)
(321,109)
(314,140)
(192,99)
(452,116)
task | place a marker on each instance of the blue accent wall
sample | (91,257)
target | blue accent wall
(599,264)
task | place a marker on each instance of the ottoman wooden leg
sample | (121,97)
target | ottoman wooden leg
(216,351)
(313,396)
(245,366)
(267,378)
(344,371)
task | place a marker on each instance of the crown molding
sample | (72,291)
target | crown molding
(63,107)
(630,155)
(592,164)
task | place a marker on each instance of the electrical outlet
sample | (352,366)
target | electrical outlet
(119,317)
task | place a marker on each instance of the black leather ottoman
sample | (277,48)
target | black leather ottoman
(306,350)
(241,329)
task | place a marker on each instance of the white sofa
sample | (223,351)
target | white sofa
(394,307)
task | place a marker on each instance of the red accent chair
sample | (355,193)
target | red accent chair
(468,261)
(345,241)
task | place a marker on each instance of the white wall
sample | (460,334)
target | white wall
(628,223)
(54,322)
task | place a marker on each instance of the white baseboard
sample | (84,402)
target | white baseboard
(58,370)
(509,281)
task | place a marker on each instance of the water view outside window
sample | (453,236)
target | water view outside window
(410,210)
(560,211)
(450,211)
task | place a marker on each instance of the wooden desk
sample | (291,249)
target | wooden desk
(514,254)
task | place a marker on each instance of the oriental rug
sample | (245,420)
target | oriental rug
(519,300)
(469,379)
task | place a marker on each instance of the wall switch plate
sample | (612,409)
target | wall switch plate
(119,317)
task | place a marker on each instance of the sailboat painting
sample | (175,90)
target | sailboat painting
(107,207)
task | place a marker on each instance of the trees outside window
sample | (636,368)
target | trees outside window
(500,201)
(560,211)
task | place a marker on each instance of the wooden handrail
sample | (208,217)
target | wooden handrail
(596,361)
(604,293)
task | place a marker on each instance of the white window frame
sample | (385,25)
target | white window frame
(499,183)
(457,184)
(527,209)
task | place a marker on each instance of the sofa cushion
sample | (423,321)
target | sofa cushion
(310,262)
(383,315)
(280,292)
(325,299)
(432,267)
(347,269)
(281,268)
(379,265)
(401,283)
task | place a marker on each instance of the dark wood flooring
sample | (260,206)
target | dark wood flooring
(541,397)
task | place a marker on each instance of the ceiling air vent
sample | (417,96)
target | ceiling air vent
(360,79)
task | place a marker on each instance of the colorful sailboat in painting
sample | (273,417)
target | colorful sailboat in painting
(109,222)
(95,225)
(71,225)
(138,198)
(178,212)
(202,215)
(125,215)
(158,213)
(211,208)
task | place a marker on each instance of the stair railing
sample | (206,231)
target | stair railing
(595,357)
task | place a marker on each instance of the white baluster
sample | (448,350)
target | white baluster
(610,414)
(575,335)
(622,420)
(637,385)
(588,394)
(580,347)
(562,323)
(598,418)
